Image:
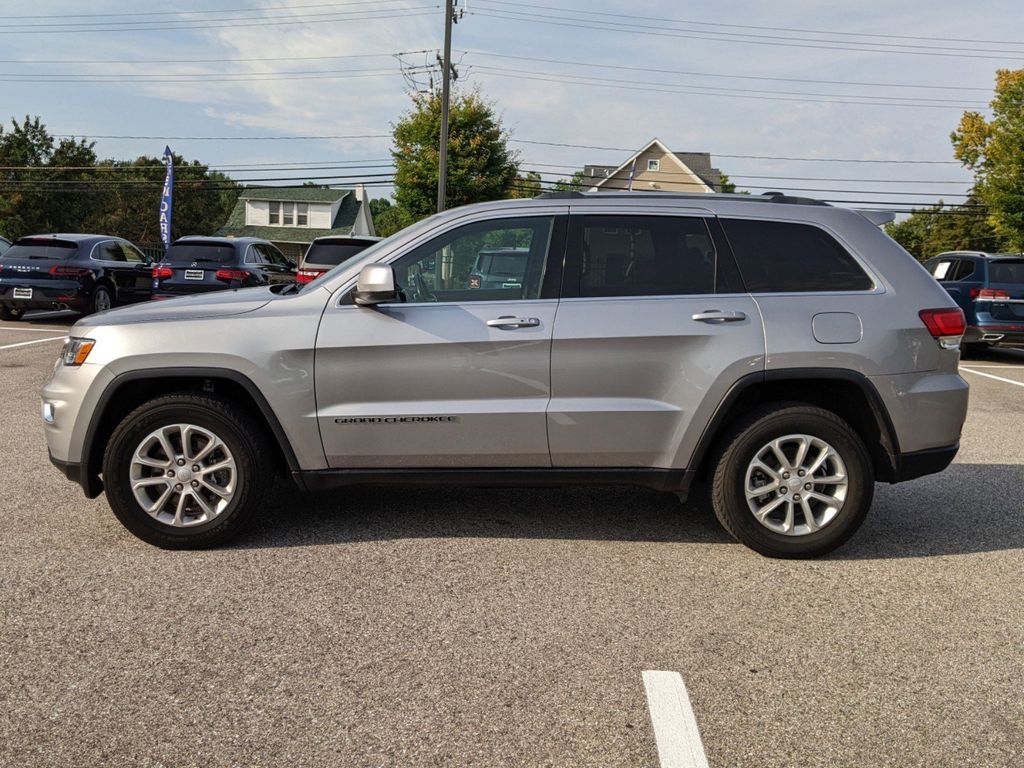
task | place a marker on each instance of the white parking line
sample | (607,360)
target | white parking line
(1007,367)
(675,727)
(34,341)
(997,378)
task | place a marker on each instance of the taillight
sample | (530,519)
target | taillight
(231,274)
(159,272)
(989,294)
(307,275)
(62,271)
(947,326)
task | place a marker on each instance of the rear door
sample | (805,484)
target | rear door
(652,330)
(278,268)
(452,376)
(118,270)
(141,271)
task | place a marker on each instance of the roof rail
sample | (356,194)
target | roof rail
(559,195)
(767,197)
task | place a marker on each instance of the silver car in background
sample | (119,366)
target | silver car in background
(784,352)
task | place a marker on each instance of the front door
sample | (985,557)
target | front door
(652,331)
(453,374)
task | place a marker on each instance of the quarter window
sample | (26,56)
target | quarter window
(496,260)
(645,256)
(784,257)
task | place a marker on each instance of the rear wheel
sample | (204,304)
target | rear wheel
(11,313)
(101,300)
(187,471)
(792,481)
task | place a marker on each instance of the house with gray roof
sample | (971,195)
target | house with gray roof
(292,217)
(656,167)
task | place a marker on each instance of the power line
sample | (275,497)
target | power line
(133,61)
(632,150)
(227,78)
(798,30)
(225,138)
(735,93)
(722,75)
(205,11)
(639,29)
(233,23)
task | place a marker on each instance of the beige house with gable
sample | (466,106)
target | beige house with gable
(656,167)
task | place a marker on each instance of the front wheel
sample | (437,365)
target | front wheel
(11,313)
(187,471)
(792,481)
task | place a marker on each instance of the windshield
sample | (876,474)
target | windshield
(1006,272)
(333,254)
(54,250)
(190,252)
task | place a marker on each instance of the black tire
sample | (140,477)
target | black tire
(243,437)
(750,434)
(100,300)
(11,313)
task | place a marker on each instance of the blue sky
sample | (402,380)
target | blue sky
(733,80)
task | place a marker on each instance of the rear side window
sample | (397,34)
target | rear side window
(197,252)
(1006,272)
(783,257)
(645,256)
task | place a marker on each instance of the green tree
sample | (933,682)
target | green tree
(527,185)
(727,184)
(938,228)
(480,165)
(387,218)
(994,150)
(576,183)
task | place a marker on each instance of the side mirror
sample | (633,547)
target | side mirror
(376,285)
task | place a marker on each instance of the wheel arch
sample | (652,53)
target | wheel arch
(848,394)
(129,390)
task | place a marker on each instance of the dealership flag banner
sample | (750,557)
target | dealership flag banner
(167,199)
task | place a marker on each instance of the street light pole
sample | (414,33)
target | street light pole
(442,164)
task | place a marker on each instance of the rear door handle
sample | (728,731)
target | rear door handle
(510,321)
(719,316)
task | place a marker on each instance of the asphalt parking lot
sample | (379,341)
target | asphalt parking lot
(436,627)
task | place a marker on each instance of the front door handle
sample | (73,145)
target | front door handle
(510,321)
(719,316)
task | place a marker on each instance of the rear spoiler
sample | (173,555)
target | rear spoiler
(878,218)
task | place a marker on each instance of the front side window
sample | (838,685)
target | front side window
(110,251)
(449,268)
(644,256)
(786,257)
(275,213)
(132,255)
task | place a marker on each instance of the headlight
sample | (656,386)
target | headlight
(76,351)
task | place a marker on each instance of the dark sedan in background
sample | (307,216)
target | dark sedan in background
(199,264)
(86,273)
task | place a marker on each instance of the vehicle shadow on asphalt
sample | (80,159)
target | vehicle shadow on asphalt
(968,508)
(375,513)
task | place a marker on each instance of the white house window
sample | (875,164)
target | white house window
(285,214)
(654,165)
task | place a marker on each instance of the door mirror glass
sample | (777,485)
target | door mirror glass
(376,285)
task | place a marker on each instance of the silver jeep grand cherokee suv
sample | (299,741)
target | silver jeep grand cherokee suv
(785,351)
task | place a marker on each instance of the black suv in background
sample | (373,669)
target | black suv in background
(86,273)
(325,253)
(200,264)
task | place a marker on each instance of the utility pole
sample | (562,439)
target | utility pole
(446,65)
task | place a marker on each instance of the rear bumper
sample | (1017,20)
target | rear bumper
(1002,334)
(920,463)
(45,296)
